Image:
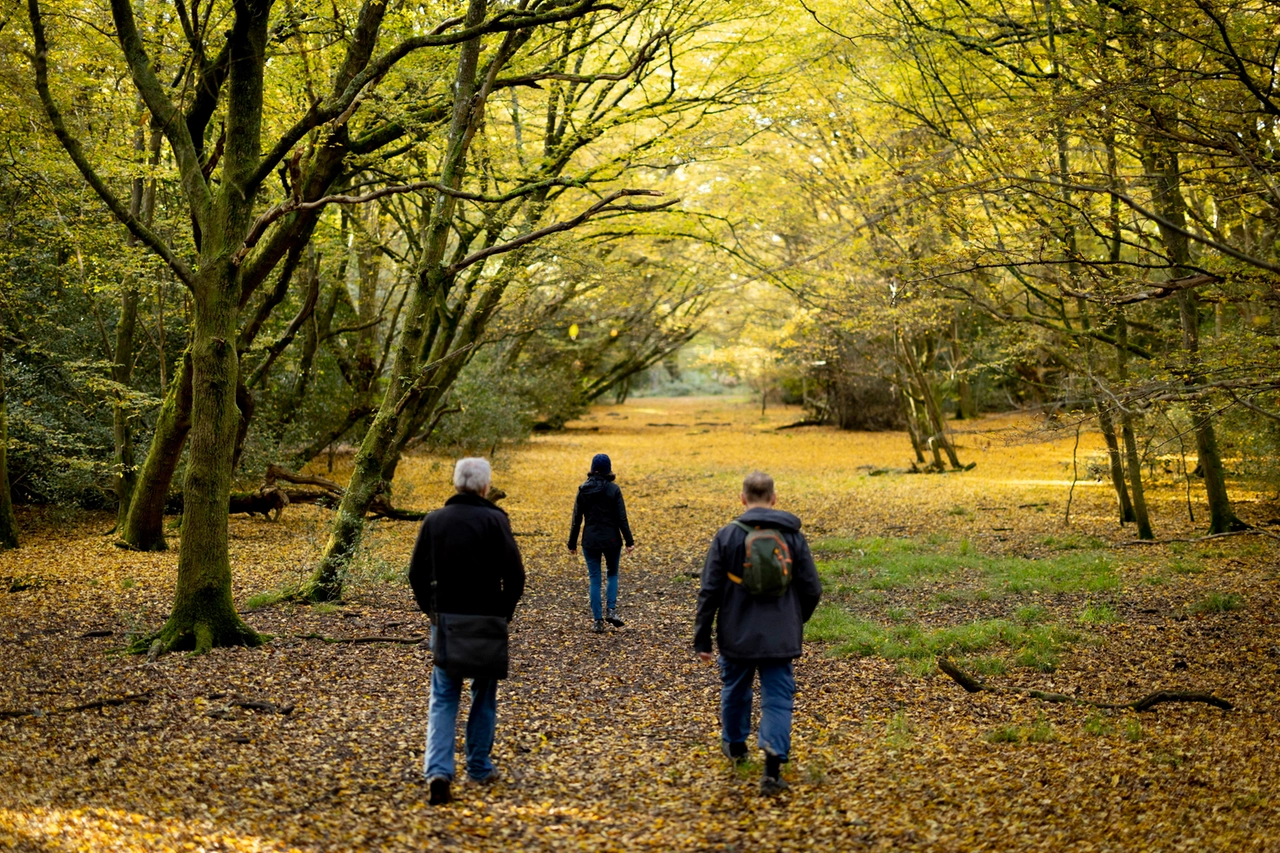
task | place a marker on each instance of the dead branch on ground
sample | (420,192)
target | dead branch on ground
(972,684)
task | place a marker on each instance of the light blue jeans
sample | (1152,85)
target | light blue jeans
(610,558)
(777,699)
(442,725)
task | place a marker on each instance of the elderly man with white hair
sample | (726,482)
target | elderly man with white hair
(467,575)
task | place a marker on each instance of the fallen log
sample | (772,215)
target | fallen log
(972,684)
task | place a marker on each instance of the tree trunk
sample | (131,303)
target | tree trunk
(122,370)
(203,614)
(8,522)
(1222,518)
(1126,430)
(1162,165)
(327,581)
(143,529)
(1115,460)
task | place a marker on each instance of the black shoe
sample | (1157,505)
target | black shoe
(735,752)
(772,782)
(599,628)
(612,618)
(438,790)
(773,785)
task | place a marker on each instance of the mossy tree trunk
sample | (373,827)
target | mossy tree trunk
(203,613)
(8,522)
(143,528)
(366,482)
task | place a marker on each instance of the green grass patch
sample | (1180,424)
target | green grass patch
(270,598)
(1041,732)
(886,564)
(1098,725)
(1037,646)
(1098,614)
(1218,602)
(898,731)
(1032,614)
(1186,567)
(1004,734)
(1072,542)
(128,583)
(1132,730)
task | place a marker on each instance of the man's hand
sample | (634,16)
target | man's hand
(573,551)
(706,657)
(630,548)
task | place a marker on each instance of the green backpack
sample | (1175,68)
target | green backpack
(767,568)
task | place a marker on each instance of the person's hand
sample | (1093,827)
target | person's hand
(630,548)
(706,657)
(573,551)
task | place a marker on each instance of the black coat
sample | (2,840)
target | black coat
(466,560)
(755,627)
(600,505)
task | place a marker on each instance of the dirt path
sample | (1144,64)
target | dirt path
(610,742)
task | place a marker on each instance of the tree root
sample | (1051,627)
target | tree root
(197,637)
(376,638)
(972,684)
(8,714)
(1252,531)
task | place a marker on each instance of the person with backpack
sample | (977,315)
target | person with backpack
(759,587)
(601,513)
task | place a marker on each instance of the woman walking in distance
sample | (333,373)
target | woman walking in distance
(602,515)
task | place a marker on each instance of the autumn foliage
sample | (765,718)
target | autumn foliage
(314,741)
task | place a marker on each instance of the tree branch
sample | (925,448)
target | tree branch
(40,61)
(605,205)
(972,684)
(166,114)
(285,208)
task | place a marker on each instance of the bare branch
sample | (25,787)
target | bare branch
(1160,291)
(605,205)
(139,229)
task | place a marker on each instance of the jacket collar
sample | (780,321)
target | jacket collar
(472,499)
(769,517)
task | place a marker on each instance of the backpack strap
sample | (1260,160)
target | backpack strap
(747,527)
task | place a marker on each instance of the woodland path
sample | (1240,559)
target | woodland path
(610,742)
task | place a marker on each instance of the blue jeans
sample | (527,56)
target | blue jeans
(442,724)
(777,699)
(610,558)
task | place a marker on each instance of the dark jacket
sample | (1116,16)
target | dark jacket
(600,504)
(750,627)
(466,560)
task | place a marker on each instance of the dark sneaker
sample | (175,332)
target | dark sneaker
(771,786)
(438,790)
(612,619)
(735,752)
(489,779)
(599,628)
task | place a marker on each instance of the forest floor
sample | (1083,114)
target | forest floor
(610,742)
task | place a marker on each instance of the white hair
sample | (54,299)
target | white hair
(472,474)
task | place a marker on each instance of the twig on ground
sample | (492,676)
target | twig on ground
(106,702)
(972,684)
(407,641)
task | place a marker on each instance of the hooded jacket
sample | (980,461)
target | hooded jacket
(755,627)
(466,560)
(602,514)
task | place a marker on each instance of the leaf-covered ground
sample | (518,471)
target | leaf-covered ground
(611,742)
